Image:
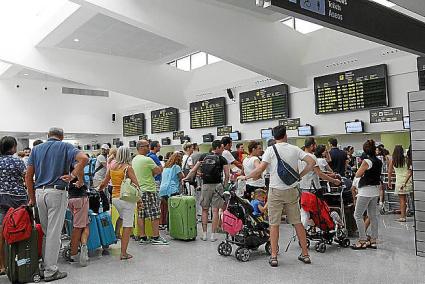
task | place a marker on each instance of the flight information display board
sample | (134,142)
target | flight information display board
(133,125)
(224,130)
(421,73)
(208,113)
(178,134)
(264,104)
(164,120)
(290,123)
(359,89)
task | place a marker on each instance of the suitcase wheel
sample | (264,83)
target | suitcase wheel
(36,278)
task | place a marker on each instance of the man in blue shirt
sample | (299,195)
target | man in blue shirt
(50,163)
(155,148)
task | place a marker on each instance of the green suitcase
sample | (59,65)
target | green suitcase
(182,217)
(22,260)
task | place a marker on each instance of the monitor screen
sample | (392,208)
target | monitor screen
(406,122)
(354,127)
(266,134)
(306,130)
(235,136)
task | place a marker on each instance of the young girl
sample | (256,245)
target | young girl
(402,166)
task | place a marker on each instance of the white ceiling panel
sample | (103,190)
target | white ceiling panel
(103,34)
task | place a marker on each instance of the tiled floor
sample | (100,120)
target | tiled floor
(199,262)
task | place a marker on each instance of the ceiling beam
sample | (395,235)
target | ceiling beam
(268,48)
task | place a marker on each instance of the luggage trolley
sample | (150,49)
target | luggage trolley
(391,200)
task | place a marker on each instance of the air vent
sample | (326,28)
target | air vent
(341,63)
(85,92)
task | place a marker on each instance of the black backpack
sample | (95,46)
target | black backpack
(211,169)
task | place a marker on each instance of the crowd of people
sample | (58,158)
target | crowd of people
(53,176)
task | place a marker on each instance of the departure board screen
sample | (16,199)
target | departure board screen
(264,104)
(164,120)
(421,73)
(359,89)
(208,113)
(133,125)
(224,130)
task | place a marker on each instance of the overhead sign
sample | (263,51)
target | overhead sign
(290,123)
(386,115)
(362,18)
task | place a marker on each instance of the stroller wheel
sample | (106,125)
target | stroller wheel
(345,243)
(224,249)
(269,248)
(329,242)
(242,254)
(322,247)
(66,253)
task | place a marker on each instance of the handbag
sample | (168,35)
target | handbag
(129,191)
(286,173)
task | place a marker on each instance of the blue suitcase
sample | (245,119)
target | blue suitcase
(94,239)
(106,230)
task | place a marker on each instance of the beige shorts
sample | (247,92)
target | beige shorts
(288,200)
(210,197)
(125,210)
(79,208)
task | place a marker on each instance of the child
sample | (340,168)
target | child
(258,203)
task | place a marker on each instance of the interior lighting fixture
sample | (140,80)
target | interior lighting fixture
(76,40)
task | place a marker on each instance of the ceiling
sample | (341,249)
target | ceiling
(416,6)
(249,6)
(35,75)
(106,35)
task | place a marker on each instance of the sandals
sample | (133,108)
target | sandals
(304,258)
(126,257)
(359,245)
(273,261)
(2,272)
(402,220)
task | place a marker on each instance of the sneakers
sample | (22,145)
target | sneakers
(84,255)
(204,236)
(159,241)
(56,276)
(213,238)
(145,241)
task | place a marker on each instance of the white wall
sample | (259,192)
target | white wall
(30,108)
(402,79)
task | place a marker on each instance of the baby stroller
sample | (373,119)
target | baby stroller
(242,228)
(328,226)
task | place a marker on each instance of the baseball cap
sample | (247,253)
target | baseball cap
(105,146)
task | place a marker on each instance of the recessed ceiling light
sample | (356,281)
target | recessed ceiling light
(76,40)
(25,74)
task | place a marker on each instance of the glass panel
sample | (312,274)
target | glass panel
(184,63)
(198,60)
(289,22)
(173,63)
(213,59)
(306,27)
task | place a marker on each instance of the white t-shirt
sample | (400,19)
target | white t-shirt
(100,174)
(369,190)
(249,167)
(290,154)
(188,164)
(307,180)
(228,156)
(323,164)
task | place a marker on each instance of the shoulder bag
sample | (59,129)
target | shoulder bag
(129,191)
(287,174)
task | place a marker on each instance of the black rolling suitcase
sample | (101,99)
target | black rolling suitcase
(22,260)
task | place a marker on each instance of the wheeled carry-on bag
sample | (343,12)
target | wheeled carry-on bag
(22,260)
(106,230)
(182,217)
(93,241)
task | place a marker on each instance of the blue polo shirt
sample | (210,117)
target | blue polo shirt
(48,160)
(155,158)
